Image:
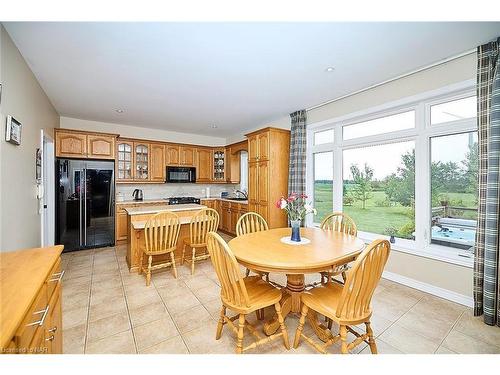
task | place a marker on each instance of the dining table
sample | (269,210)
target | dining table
(272,251)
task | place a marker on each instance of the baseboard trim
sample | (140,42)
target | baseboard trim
(431,289)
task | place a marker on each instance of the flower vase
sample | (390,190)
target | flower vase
(295,230)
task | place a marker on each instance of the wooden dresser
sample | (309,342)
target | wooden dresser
(30,301)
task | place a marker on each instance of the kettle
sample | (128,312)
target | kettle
(137,194)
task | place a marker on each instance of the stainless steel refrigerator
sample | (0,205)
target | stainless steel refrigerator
(85,205)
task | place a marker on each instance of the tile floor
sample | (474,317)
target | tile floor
(106,309)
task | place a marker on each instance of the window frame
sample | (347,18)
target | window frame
(421,134)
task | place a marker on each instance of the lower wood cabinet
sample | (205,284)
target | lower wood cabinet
(230,212)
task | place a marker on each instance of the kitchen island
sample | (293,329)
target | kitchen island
(136,220)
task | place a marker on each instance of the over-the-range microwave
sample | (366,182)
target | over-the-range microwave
(181,174)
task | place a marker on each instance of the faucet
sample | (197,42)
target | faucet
(244,193)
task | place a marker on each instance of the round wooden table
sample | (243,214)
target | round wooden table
(264,251)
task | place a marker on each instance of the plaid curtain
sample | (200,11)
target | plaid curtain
(297,168)
(486,263)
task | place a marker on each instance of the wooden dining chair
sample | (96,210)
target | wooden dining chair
(161,233)
(347,304)
(243,295)
(203,222)
(338,222)
(252,222)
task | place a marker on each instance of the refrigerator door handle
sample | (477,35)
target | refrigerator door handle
(85,205)
(80,207)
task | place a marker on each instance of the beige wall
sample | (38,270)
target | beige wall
(141,133)
(24,99)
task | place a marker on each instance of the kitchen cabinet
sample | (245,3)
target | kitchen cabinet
(157,164)
(82,145)
(187,156)
(230,214)
(204,170)
(125,161)
(210,203)
(233,164)
(141,159)
(219,165)
(172,154)
(269,155)
(121,226)
(31,313)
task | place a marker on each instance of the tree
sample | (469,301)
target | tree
(471,172)
(400,186)
(362,180)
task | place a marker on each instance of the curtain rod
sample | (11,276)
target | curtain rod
(444,61)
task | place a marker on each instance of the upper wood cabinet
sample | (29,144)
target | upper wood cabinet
(141,158)
(204,170)
(71,145)
(219,165)
(172,155)
(100,147)
(125,160)
(157,163)
(187,155)
(78,144)
(258,147)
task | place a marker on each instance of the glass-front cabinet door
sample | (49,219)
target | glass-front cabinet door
(125,161)
(141,161)
(219,165)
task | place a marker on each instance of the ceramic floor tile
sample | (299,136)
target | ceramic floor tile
(461,343)
(391,305)
(408,341)
(111,306)
(147,313)
(198,282)
(202,340)
(75,317)
(153,333)
(429,325)
(444,350)
(76,300)
(474,326)
(120,343)
(102,295)
(76,272)
(174,345)
(382,348)
(74,339)
(207,293)
(144,297)
(191,319)
(108,326)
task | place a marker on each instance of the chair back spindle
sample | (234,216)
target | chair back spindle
(362,280)
(233,289)
(339,222)
(249,223)
(161,232)
(203,222)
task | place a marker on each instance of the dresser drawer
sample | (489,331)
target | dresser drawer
(33,320)
(54,279)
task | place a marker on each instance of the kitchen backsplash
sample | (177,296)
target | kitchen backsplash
(156,191)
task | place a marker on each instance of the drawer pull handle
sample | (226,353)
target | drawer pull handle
(58,276)
(53,330)
(41,321)
(51,338)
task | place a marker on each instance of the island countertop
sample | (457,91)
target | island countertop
(162,207)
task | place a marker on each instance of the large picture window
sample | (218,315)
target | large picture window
(379,188)
(406,172)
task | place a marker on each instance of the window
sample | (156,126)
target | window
(323,137)
(397,175)
(387,124)
(379,188)
(454,110)
(454,189)
(323,184)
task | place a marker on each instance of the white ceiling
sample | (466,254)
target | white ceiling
(187,76)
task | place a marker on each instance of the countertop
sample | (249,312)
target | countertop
(161,208)
(22,274)
(141,224)
(164,201)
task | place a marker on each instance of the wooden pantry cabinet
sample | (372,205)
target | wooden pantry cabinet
(269,156)
(31,313)
(79,144)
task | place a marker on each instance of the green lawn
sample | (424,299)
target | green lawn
(373,218)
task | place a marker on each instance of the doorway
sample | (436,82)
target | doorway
(46,193)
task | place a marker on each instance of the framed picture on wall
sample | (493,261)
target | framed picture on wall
(38,165)
(13,131)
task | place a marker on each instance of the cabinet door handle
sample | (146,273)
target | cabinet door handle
(41,321)
(51,338)
(58,276)
(53,330)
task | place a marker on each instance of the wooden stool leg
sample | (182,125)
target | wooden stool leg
(183,252)
(247,272)
(343,337)
(220,323)
(344,276)
(241,325)
(277,307)
(330,322)
(371,340)
(174,269)
(192,261)
(302,320)
(148,275)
